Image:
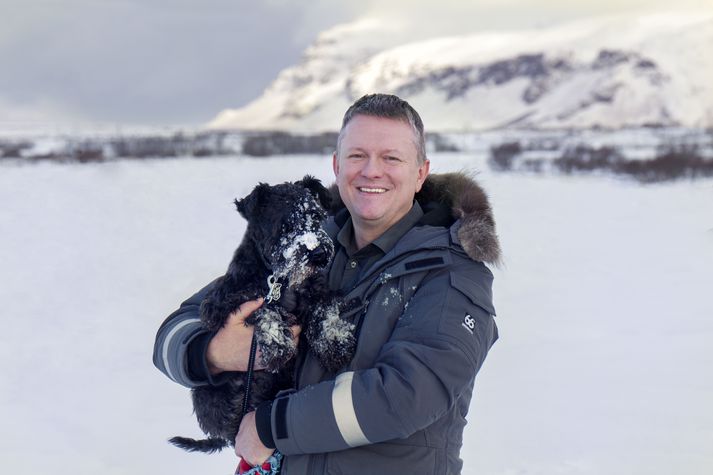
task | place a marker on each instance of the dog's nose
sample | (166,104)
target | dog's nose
(319,255)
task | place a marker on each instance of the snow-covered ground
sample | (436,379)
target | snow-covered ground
(603,366)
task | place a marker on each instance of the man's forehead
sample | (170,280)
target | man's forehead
(377,119)
(392,133)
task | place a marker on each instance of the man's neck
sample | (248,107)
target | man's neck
(364,237)
(365,234)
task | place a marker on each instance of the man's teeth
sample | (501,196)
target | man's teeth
(372,190)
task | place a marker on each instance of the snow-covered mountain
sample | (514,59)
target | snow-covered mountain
(606,72)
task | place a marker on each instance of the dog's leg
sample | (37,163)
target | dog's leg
(225,298)
(274,338)
(217,410)
(331,338)
(219,304)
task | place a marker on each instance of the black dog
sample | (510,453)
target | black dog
(283,257)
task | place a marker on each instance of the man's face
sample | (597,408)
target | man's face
(377,172)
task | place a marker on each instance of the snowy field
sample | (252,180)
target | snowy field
(604,309)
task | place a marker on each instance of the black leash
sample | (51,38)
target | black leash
(273,464)
(273,294)
(249,375)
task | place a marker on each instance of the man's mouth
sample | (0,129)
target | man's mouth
(365,189)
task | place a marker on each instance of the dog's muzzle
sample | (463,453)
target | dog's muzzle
(319,256)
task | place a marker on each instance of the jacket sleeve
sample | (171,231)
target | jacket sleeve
(430,360)
(180,333)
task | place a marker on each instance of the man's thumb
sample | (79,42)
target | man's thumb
(246,308)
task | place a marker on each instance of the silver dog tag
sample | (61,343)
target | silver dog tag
(274,286)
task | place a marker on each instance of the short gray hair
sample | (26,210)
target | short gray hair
(387,106)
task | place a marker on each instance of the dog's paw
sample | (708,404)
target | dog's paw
(331,339)
(274,339)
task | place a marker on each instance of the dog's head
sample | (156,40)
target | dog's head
(285,223)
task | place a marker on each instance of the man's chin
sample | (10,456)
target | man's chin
(371,222)
(368,217)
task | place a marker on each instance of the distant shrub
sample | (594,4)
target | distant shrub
(439,143)
(203,152)
(586,158)
(283,143)
(88,152)
(13,149)
(502,157)
(151,146)
(670,163)
(533,165)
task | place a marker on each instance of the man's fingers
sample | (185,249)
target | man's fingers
(246,309)
(296,330)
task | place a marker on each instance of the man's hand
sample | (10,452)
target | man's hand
(229,349)
(247,443)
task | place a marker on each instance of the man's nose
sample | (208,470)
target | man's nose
(372,167)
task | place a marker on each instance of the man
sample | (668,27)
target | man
(424,316)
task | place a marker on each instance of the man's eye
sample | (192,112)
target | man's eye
(393,159)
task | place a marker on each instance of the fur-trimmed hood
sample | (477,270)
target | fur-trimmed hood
(445,198)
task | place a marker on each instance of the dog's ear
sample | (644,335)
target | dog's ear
(318,190)
(251,203)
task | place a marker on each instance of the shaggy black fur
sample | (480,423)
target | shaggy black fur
(285,241)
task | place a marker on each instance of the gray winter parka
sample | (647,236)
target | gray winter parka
(424,317)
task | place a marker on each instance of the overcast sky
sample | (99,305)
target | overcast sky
(179,62)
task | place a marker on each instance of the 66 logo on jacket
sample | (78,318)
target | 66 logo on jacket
(468,323)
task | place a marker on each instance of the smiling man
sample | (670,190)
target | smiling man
(410,253)
(380,166)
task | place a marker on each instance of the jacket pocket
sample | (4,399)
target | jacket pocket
(479,293)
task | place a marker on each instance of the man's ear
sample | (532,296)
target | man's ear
(335,164)
(423,171)
(318,190)
(248,205)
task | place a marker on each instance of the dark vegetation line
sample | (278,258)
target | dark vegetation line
(671,162)
(207,144)
(678,160)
